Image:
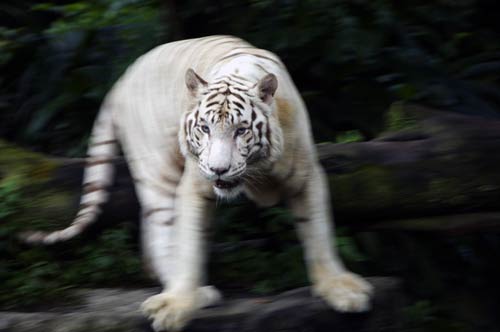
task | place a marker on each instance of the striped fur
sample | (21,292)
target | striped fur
(200,120)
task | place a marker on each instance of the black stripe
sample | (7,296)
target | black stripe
(196,114)
(212,104)
(169,222)
(111,141)
(259,128)
(99,161)
(268,133)
(239,97)
(92,187)
(150,212)
(262,68)
(212,96)
(168,179)
(83,214)
(84,206)
(238,104)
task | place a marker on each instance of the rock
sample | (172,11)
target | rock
(107,310)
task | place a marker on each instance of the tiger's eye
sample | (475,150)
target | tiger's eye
(240,131)
(205,129)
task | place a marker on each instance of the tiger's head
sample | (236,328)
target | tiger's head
(231,129)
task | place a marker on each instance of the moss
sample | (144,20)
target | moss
(398,117)
(370,186)
(30,167)
(26,175)
(395,189)
(349,136)
(447,191)
(48,209)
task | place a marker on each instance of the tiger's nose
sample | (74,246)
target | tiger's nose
(219,170)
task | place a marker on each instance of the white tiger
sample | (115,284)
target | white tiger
(234,123)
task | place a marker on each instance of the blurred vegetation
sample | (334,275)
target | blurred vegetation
(59,59)
(33,275)
(350,60)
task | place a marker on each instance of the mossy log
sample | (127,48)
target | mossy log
(428,163)
(43,192)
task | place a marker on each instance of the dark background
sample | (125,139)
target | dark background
(350,59)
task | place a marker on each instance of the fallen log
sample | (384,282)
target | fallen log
(439,163)
(428,163)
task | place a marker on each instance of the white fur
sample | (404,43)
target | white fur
(149,107)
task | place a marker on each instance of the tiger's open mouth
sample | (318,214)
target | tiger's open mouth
(221,184)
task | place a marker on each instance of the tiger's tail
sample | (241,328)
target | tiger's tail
(98,176)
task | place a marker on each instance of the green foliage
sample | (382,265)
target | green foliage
(31,276)
(397,118)
(420,312)
(349,136)
(350,59)
(261,250)
(57,67)
(348,249)
(9,197)
(424,316)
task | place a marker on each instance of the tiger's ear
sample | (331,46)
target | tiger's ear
(267,87)
(195,83)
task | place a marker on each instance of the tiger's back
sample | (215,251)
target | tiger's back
(147,102)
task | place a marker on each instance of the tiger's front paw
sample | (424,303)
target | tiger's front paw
(346,292)
(171,311)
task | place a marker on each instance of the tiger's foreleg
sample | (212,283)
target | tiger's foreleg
(184,294)
(341,289)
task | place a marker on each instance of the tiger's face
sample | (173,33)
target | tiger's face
(229,131)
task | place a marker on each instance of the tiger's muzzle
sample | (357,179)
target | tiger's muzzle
(222,184)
